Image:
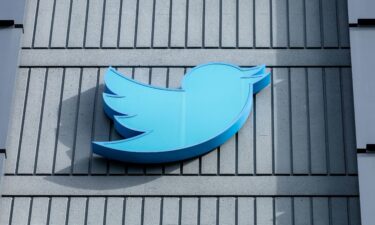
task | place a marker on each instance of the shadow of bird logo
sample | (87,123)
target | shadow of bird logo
(165,125)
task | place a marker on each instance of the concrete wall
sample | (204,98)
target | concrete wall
(293,162)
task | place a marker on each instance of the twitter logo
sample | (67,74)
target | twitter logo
(164,125)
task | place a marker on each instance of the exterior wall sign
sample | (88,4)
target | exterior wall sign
(164,125)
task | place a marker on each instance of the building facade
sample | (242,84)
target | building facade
(294,161)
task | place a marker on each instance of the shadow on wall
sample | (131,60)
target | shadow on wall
(82,120)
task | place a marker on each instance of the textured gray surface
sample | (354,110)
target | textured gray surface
(9,49)
(366,186)
(364,93)
(180,210)
(187,24)
(186,57)
(12,10)
(2,163)
(363,79)
(360,9)
(180,185)
(301,130)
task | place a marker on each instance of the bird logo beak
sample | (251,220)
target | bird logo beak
(258,77)
(253,71)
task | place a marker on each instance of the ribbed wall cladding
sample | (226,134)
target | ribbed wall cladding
(301,124)
(186,24)
(184,211)
(300,132)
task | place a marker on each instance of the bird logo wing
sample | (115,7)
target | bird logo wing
(135,106)
(145,115)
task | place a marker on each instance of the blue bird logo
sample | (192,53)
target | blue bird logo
(165,125)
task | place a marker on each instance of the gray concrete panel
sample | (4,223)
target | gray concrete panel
(268,210)
(145,23)
(180,185)
(39,210)
(245,24)
(128,23)
(43,24)
(229,23)
(296,12)
(9,48)
(189,57)
(280,24)
(12,10)
(281,121)
(161,23)
(94,24)
(59,28)
(360,9)
(313,24)
(329,23)
(15,127)
(211,23)
(77,24)
(362,50)
(111,23)
(187,23)
(317,118)
(194,23)
(299,124)
(366,186)
(262,21)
